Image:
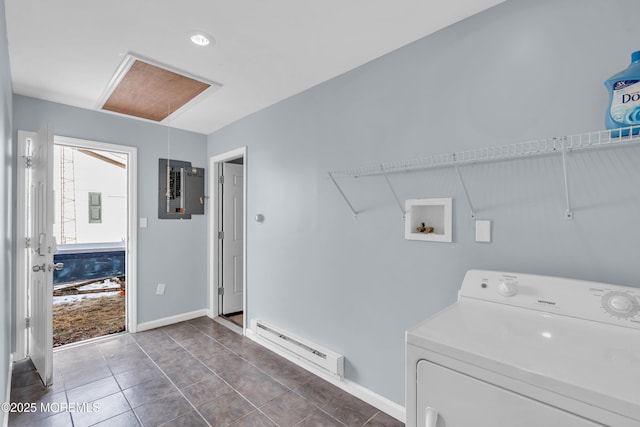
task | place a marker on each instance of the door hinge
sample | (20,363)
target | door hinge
(220,291)
(28,162)
(220,235)
(221,179)
(27,242)
(27,322)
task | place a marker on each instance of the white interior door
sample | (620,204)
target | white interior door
(40,254)
(232,238)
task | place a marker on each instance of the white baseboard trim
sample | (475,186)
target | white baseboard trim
(171,320)
(382,403)
(7,396)
(228,324)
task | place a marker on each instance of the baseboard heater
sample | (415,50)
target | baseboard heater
(328,360)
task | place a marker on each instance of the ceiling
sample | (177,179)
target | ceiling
(68,51)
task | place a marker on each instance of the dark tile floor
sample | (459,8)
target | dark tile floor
(193,373)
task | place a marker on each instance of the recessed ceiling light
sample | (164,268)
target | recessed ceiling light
(200,39)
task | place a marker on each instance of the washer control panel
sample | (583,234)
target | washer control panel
(507,287)
(618,305)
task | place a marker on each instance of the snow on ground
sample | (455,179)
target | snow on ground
(73,298)
(105,284)
(99,285)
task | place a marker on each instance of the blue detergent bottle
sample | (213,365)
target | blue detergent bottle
(624,99)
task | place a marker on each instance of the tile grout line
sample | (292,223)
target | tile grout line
(172,383)
(16,390)
(332,417)
(372,417)
(267,374)
(248,361)
(113,375)
(200,342)
(102,355)
(257,408)
(66,390)
(275,379)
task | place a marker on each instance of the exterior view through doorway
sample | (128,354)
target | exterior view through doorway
(90,227)
(38,244)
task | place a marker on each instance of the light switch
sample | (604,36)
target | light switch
(143,222)
(160,289)
(483,231)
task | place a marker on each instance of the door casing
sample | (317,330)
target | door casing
(21,248)
(232,243)
(132,234)
(215,164)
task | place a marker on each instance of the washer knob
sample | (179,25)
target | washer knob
(507,288)
(621,304)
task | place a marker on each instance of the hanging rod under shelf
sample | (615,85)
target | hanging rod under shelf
(541,147)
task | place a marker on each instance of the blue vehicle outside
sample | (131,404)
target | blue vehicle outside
(89,262)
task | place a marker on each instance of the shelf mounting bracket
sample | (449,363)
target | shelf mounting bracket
(355,214)
(568,214)
(464,189)
(395,196)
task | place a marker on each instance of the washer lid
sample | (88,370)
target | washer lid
(586,360)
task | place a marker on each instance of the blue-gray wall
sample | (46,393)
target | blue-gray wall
(169,251)
(6,170)
(523,70)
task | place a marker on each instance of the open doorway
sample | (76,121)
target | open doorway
(37,246)
(228,288)
(90,227)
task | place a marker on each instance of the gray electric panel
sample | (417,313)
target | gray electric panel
(186,190)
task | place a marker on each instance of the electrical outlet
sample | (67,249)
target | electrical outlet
(160,289)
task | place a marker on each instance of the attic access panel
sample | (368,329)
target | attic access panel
(149,91)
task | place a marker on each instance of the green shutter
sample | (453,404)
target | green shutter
(95,208)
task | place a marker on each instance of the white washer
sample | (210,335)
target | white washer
(524,350)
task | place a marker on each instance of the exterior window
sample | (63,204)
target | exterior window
(95,208)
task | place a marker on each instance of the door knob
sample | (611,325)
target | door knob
(58,266)
(431,418)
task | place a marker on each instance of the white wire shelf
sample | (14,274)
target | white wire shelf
(543,147)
